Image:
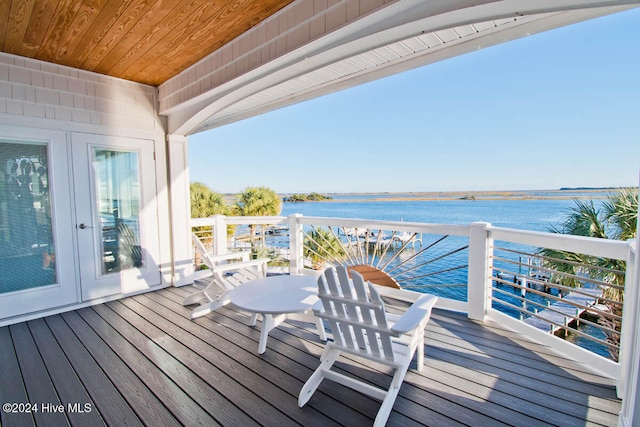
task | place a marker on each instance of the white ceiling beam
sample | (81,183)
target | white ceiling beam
(399,21)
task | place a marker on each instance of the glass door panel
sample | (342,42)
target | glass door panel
(27,256)
(117,187)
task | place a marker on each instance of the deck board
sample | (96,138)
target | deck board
(95,373)
(494,338)
(141,361)
(152,389)
(216,378)
(426,392)
(241,342)
(508,364)
(11,386)
(68,385)
(36,378)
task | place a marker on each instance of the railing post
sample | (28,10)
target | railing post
(296,241)
(630,330)
(629,357)
(479,278)
(219,234)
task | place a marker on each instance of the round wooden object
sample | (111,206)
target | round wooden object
(375,275)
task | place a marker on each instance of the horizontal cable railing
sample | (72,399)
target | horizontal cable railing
(411,260)
(568,285)
(559,288)
(414,256)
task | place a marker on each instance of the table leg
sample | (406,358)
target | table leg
(269,321)
(267,325)
(254,317)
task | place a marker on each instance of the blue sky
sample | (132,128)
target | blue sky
(556,109)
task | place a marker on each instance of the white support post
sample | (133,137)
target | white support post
(296,242)
(181,246)
(219,234)
(629,374)
(479,278)
(629,344)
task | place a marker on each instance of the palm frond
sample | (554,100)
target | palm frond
(584,219)
(621,212)
(617,218)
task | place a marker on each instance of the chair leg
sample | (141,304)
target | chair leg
(420,350)
(209,293)
(316,378)
(196,298)
(211,306)
(386,407)
(398,377)
(390,398)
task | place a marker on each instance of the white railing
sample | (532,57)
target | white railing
(588,248)
(499,284)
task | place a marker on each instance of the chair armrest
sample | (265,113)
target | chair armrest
(244,255)
(241,264)
(419,312)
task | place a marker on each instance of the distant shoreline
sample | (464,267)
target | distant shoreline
(463,196)
(562,194)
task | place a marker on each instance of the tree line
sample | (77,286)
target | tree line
(311,197)
(253,201)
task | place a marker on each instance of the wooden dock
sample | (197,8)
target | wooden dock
(558,313)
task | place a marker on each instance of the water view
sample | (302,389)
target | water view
(537,215)
(527,214)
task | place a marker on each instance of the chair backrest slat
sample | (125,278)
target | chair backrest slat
(329,306)
(381,317)
(343,310)
(364,331)
(355,312)
(200,249)
(343,278)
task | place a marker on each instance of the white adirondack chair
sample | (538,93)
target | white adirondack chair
(224,276)
(361,326)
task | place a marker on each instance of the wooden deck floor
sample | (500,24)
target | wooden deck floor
(140,361)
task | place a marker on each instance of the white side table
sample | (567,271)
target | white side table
(275,298)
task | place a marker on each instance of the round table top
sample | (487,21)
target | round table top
(276,294)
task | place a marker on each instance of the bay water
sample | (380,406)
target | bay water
(536,215)
(526,214)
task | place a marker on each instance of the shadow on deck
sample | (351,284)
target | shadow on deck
(141,361)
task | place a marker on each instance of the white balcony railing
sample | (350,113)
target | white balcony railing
(551,286)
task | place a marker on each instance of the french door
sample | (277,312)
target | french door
(37,249)
(116,214)
(78,218)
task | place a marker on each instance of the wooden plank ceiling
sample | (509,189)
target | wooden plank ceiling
(147,41)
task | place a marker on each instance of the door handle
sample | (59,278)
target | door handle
(82,226)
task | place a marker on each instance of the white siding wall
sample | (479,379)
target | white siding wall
(49,97)
(72,99)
